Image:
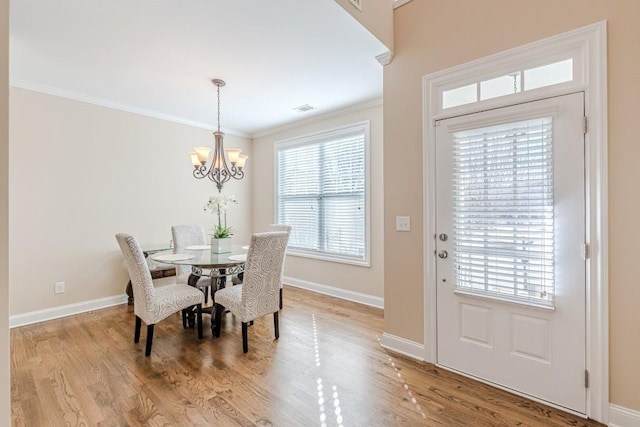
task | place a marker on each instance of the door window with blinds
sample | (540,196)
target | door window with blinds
(503,211)
(322,193)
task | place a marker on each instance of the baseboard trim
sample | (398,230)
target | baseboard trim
(622,417)
(403,346)
(336,292)
(64,310)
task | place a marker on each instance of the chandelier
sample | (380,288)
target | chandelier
(219,171)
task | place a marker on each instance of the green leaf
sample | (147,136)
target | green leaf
(221,232)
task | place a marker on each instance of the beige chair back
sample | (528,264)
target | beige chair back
(183,236)
(141,281)
(263,274)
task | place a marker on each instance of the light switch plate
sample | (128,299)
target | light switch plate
(403,223)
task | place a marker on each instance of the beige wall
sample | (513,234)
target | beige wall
(434,35)
(79,173)
(376,16)
(5,397)
(366,280)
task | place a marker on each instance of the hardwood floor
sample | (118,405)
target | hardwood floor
(327,368)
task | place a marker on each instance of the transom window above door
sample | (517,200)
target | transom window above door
(540,76)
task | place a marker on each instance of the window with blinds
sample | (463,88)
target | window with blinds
(503,211)
(322,193)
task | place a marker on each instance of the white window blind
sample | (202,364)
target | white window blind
(321,193)
(503,211)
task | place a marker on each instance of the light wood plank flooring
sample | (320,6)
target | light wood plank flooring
(327,368)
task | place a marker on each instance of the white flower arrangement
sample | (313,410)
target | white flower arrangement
(218,205)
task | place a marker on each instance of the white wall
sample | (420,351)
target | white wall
(363,280)
(376,16)
(79,174)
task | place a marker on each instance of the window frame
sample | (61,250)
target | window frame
(325,135)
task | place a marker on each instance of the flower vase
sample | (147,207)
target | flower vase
(220,246)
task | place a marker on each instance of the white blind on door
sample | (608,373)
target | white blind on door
(503,211)
(321,194)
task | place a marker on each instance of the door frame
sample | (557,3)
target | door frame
(588,48)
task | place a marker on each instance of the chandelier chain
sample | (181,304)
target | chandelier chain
(218,108)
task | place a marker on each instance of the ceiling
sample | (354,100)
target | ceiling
(157,57)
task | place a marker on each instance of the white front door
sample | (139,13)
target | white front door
(510,248)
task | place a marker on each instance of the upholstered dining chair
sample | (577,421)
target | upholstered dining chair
(183,237)
(258,295)
(287,228)
(152,304)
(236,280)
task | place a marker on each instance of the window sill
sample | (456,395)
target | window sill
(328,258)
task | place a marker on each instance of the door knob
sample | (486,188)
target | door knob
(443,254)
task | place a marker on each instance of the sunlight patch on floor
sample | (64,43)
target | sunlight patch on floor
(320,386)
(405,386)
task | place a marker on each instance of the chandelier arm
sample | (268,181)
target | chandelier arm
(237,174)
(219,176)
(200,172)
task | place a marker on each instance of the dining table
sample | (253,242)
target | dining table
(205,263)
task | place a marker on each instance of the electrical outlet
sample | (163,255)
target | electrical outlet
(403,223)
(58,288)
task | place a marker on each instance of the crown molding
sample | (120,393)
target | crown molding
(398,3)
(62,93)
(385,58)
(326,116)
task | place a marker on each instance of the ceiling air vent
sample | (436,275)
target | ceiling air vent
(356,3)
(304,108)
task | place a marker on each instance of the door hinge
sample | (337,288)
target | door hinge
(586,379)
(585,251)
(585,124)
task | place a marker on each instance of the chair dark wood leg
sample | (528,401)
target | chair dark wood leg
(206,295)
(280,298)
(276,325)
(245,343)
(184,318)
(136,334)
(199,319)
(149,340)
(217,322)
(129,292)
